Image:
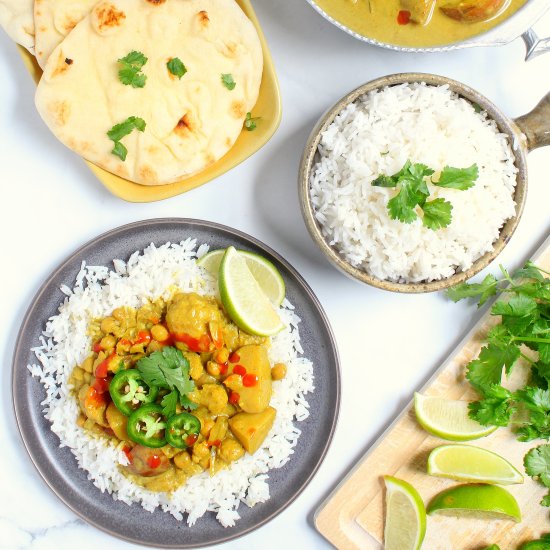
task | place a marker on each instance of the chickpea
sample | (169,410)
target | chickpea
(195,366)
(77,374)
(108,342)
(154,346)
(222,356)
(109,325)
(278,372)
(122,347)
(159,333)
(219,431)
(201,452)
(88,363)
(120,314)
(231,450)
(98,360)
(183,460)
(137,348)
(213,368)
(206,426)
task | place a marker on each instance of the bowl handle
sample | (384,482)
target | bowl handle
(536,124)
(535,46)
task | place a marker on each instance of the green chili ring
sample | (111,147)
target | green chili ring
(127,387)
(147,425)
(182,430)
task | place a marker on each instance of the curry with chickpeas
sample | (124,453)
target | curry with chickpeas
(178,387)
(420,23)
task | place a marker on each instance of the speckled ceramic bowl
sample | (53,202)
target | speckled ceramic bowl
(518,24)
(525,133)
(58,466)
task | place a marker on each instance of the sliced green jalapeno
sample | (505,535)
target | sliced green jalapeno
(182,430)
(147,425)
(129,391)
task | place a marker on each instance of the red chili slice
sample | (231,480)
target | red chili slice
(403,17)
(101,385)
(250,380)
(144,337)
(239,369)
(102,369)
(128,452)
(234,398)
(234,357)
(94,399)
(194,344)
(153,461)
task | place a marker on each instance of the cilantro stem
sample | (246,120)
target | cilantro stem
(506,275)
(536,340)
(523,356)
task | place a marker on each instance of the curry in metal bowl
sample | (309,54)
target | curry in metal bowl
(419,23)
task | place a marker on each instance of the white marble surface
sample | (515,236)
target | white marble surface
(389,344)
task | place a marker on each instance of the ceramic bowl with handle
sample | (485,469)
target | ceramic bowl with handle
(525,133)
(518,24)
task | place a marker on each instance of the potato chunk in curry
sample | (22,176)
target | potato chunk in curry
(252,429)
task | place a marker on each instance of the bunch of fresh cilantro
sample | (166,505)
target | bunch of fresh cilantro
(523,332)
(168,370)
(413,192)
(540,544)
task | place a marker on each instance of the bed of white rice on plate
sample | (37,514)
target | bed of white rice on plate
(376,135)
(149,275)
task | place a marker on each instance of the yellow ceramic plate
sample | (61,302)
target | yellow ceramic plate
(268,107)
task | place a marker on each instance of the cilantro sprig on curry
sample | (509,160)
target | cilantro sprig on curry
(178,386)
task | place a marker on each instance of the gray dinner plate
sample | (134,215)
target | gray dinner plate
(58,466)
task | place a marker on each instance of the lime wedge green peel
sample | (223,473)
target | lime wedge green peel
(469,463)
(476,500)
(265,273)
(243,298)
(448,419)
(405,516)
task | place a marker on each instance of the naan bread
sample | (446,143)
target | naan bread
(191,122)
(54,20)
(16,18)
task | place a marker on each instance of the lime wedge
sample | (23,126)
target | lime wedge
(212,260)
(476,500)
(469,463)
(265,273)
(244,299)
(405,516)
(448,419)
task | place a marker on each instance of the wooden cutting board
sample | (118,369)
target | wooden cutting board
(352,517)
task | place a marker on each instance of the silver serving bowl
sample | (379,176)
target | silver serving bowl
(525,133)
(518,24)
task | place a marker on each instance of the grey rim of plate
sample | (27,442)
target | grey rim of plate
(58,466)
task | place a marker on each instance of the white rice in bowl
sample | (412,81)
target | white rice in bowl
(376,135)
(157,272)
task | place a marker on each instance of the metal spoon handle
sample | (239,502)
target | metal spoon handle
(535,46)
(536,124)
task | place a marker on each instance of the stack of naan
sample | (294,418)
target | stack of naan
(191,119)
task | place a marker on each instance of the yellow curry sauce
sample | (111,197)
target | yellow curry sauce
(230,370)
(390,22)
